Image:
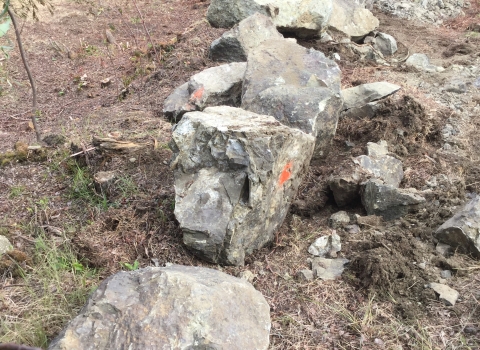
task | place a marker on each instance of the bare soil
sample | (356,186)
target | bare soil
(380,301)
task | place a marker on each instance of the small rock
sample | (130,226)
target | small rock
(462,230)
(446,294)
(339,219)
(352,19)
(476,83)
(422,265)
(422,62)
(352,229)
(386,44)
(305,275)
(345,188)
(446,274)
(326,245)
(444,249)
(5,245)
(247,275)
(369,221)
(386,168)
(377,149)
(456,86)
(388,201)
(328,269)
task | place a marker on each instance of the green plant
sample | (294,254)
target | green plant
(16,191)
(82,188)
(131,267)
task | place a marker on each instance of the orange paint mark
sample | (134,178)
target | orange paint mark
(197,94)
(286,174)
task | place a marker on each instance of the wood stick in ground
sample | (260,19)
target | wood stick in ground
(29,73)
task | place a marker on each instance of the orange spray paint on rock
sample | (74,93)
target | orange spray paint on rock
(285,174)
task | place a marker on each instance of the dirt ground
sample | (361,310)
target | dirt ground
(379,302)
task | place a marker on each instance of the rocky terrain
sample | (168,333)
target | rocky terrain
(322,157)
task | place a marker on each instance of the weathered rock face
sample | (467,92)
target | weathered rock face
(387,168)
(388,201)
(299,87)
(236,173)
(214,86)
(302,17)
(462,230)
(359,96)
(234,45)
(352,19)
(176,307)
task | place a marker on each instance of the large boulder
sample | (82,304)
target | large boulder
(235,44)
(303,17)
(236,173)
(462,231)
(300,87)
(352,19)
(175,307)
(388,201)
(221,85)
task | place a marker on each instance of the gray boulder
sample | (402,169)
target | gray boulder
(235,44)
(359,96)
(388,201)
(236,173)
(304,18)
(352,19)
(5,245)
(175,307)
(462,230)
(221,85)
(299,87)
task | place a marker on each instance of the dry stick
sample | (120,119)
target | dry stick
(29,73)
(146,31)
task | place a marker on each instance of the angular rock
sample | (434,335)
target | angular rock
(235,44)
(360,95)
(221,85)
(444,249)
(305,18)
(299,87)
(377,149)
(326,245)
(446,294)
(345,189)
(367,111)
(352,19)
(236,173)
(352,229)
(386,44)
(5,245)
(176,307)
(305,275)
(446,274)
(421,62)
(462,230)
(386,168)
(339,219)
(328,269)
(388,201)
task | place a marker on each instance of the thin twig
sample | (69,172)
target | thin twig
(29,73)
(146,31)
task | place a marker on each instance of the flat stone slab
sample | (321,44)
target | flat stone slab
(236,173)
(328,269)
(175,307)
(446,294)
(359,96)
